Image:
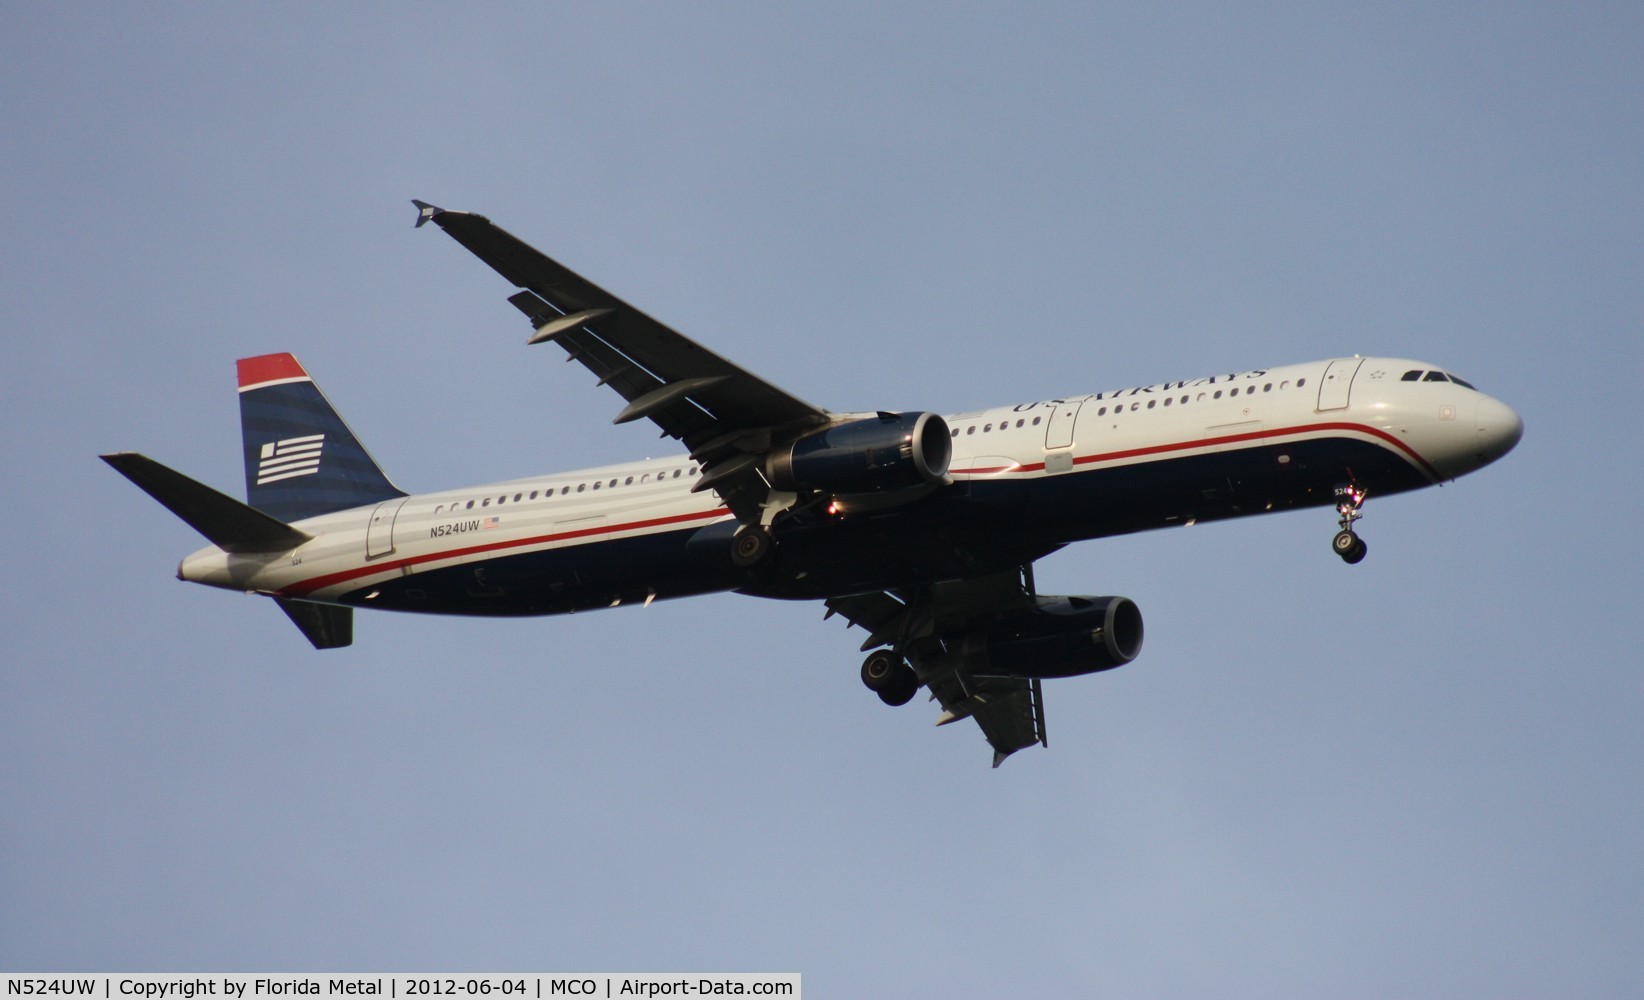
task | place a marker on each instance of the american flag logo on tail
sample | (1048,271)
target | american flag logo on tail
(298,456)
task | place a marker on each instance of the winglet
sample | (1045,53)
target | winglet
(425,212)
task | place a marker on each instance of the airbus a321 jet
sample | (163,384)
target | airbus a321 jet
(921,529)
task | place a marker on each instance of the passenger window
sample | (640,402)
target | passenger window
(517,497)
(581,487)
(629,481)
(986,428)
(470,505)
(970,430)
(1184,400)
(1218,394)
(564,490)
(1102,412)
(1284,385)
(1018,423)
(1035,421)
(1268,387)
(1300,382)
(1167,401)
(954,432)
(486,502)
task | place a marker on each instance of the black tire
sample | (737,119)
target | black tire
(881,669)
(1345,543)
(1357,555)
(750,546)
(903,686)
(900,686)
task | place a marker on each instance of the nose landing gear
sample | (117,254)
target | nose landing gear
(1349,546)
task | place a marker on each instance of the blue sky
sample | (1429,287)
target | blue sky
(1415,776)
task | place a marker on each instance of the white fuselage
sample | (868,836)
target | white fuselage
(1440,429)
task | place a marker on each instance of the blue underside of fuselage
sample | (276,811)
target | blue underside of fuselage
(978,526)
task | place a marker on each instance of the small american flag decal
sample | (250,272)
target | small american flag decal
(298,456)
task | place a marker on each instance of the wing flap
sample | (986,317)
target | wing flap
(1009,710)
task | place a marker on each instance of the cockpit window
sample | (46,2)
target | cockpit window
(1412,376)
(1435,377)
(1462,382)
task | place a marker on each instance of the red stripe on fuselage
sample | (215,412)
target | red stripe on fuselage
(1160,449)
(374,569)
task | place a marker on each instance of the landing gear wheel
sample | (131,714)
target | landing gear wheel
(1349,546)
(879,670)
(890,677)
(902,688)
(750,546)
(1349,500)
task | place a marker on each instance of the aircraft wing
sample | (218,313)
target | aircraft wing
(724,414)
(1009,710)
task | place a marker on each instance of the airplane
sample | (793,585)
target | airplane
(922,529)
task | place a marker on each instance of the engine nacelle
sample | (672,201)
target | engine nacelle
(1061,637)
(893,451)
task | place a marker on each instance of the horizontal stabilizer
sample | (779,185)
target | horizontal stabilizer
(229,524)
(328,626)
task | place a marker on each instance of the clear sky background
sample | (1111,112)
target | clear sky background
(1417,776)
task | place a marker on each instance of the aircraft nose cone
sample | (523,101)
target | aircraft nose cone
(1499,429)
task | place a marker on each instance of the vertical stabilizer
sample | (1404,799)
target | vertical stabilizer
(301,460)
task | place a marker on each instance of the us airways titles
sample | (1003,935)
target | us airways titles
(1254,373)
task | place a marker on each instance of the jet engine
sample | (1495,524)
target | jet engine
(1059,637)
(888,452)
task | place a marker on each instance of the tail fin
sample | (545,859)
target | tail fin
(301,460)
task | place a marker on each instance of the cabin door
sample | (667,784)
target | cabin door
(1338,379)
(379,534)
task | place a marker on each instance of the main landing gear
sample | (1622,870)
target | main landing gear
(751,545)
(889,676)
(1346,544)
